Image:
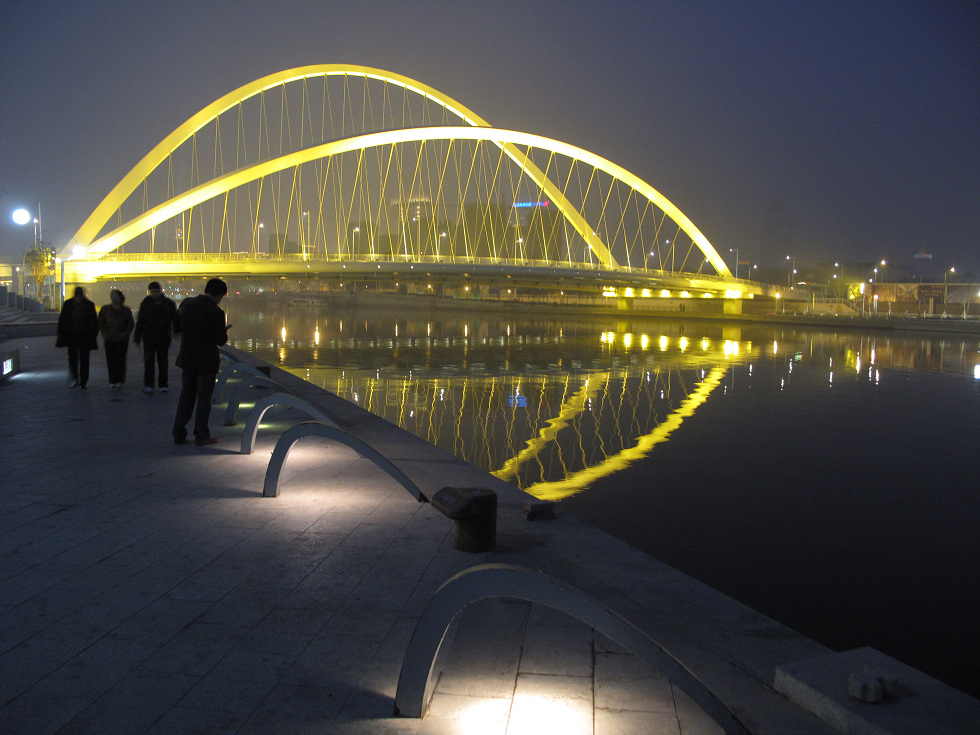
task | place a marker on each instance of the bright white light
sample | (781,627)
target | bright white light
(21,216)
(489,716)
(536,714)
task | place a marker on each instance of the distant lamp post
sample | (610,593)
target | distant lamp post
(789,276)
(946,287)
(22,216)
(735,250)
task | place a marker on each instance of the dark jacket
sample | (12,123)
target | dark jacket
(201,324)
(77,324)
(155,321)
(116,323)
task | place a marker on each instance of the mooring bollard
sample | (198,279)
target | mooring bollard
(475,511)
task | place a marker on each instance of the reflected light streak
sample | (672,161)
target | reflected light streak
(570,409)
(578,481)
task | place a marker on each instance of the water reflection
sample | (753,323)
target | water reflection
(550,406)
(553,405)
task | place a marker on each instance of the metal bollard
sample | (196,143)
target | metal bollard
(475,511)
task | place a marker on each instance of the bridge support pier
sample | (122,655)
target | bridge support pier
(732,306)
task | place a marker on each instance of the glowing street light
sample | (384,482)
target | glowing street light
(789,276)
(735,250)
(946,287)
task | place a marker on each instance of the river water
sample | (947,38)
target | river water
(828,480)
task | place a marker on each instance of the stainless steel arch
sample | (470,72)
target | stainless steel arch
(315,428)
(231,410)
(277,399)
(503,580)
(227,371)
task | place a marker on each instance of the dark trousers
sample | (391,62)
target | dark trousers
(196,389)
(155,355)
(115,358)
(78,364)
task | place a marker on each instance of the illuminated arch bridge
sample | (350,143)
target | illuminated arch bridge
(340,171)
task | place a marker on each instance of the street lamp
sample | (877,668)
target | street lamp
(735,250)
(22,216)
(946,287)
(789,276)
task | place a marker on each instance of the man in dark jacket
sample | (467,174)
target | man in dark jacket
(154,326)
(77,327)
(201,324)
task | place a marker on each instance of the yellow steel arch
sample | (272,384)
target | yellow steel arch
(224,183)
(102,213)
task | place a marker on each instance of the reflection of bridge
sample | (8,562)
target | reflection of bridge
(339,172)
(553,430)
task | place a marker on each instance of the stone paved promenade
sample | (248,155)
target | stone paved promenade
(151,588)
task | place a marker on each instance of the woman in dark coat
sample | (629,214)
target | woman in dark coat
(116,324)
(77,327)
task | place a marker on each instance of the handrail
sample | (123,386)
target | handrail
(503,580)
(277,399)
(315,428)
(231,411)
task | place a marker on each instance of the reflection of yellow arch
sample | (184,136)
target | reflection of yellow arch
(579,480)
(224,183)
(104,211)
(569,410)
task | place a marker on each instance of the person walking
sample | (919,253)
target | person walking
(154,328)
(201,323)
(77,329)
(115,325)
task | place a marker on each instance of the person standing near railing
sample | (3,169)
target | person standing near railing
(116,324)
(155,327)
(201,324)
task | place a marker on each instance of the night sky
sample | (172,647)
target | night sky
(829,130)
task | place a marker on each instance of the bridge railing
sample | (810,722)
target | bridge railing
(246,256)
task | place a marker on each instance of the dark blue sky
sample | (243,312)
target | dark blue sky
(830,130)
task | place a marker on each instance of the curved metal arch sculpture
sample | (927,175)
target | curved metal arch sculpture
(103,212)
(504,580)
(314,428)
(235,399)
(216,186)
(287,400)
(226,373)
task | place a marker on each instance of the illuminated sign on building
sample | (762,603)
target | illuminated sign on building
(532,204)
